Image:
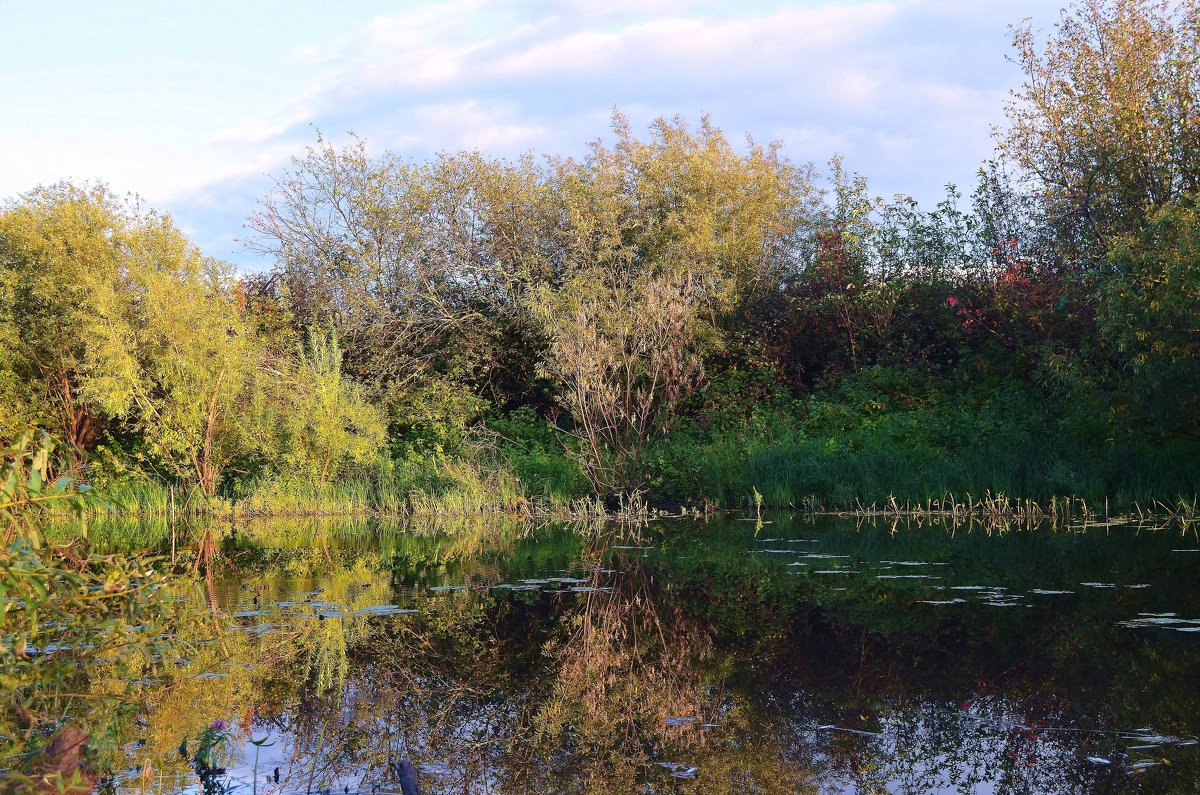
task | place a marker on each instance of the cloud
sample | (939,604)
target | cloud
(470,125)
(906,90)
(516,80)
(420,53)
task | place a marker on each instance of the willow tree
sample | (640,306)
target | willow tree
(682,203)
(117,320)
(18,398)
(1108,119)
(196,357)
(69,256)
(659,243)
(313,419)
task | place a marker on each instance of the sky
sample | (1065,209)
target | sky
(194,106)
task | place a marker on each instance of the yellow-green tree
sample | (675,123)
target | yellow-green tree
(116,319)
(69,257)
(683,203)
(657,242)
(196,357)
(18,400)
(1108,119)
(317,420)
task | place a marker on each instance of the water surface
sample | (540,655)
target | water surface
(800,655)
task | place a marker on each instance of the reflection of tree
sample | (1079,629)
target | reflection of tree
(948,698)
(627,662)
(510,692)
(523,691)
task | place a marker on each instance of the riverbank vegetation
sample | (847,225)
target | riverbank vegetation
(671,315)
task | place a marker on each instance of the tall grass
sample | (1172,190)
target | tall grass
(436,486)
(807,472)
(882,438)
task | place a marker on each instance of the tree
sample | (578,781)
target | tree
(18,397)
(317,421)
(656,246)
(396,254)
(121,323)
(870,275)
(196,358)
(70,259)
(1151,316)
(626,353)
(1109,115)
(684,205)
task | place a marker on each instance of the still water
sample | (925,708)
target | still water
(795,655)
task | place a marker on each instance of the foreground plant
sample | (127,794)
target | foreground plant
(205,759)
(76,629)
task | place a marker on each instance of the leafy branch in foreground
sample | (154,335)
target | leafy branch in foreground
(28,488)
(69,619)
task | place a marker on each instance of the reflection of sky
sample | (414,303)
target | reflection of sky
(868,722)
(928,748)
(919,750)
(191,104)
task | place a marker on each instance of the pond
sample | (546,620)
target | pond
(796,654)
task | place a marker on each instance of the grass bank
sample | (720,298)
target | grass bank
(882,440)
(884,437)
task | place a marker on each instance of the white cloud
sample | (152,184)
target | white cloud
(905,89)
(469,125)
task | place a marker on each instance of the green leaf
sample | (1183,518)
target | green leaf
(39,588)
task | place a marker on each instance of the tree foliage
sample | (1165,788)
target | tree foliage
(72,257)
(319,422)
(196,358)
(397,254)
(1109,115)
(120,321)
(1151,316)
(684,205)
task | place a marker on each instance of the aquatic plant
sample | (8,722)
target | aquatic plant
(205,759)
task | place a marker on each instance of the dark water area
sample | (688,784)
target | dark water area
(800,655)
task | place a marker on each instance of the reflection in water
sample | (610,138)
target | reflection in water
(829,657)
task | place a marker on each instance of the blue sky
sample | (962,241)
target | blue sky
(192,105)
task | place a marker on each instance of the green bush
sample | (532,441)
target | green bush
(884,433)
(537,454)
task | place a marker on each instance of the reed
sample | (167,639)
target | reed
(805,474)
